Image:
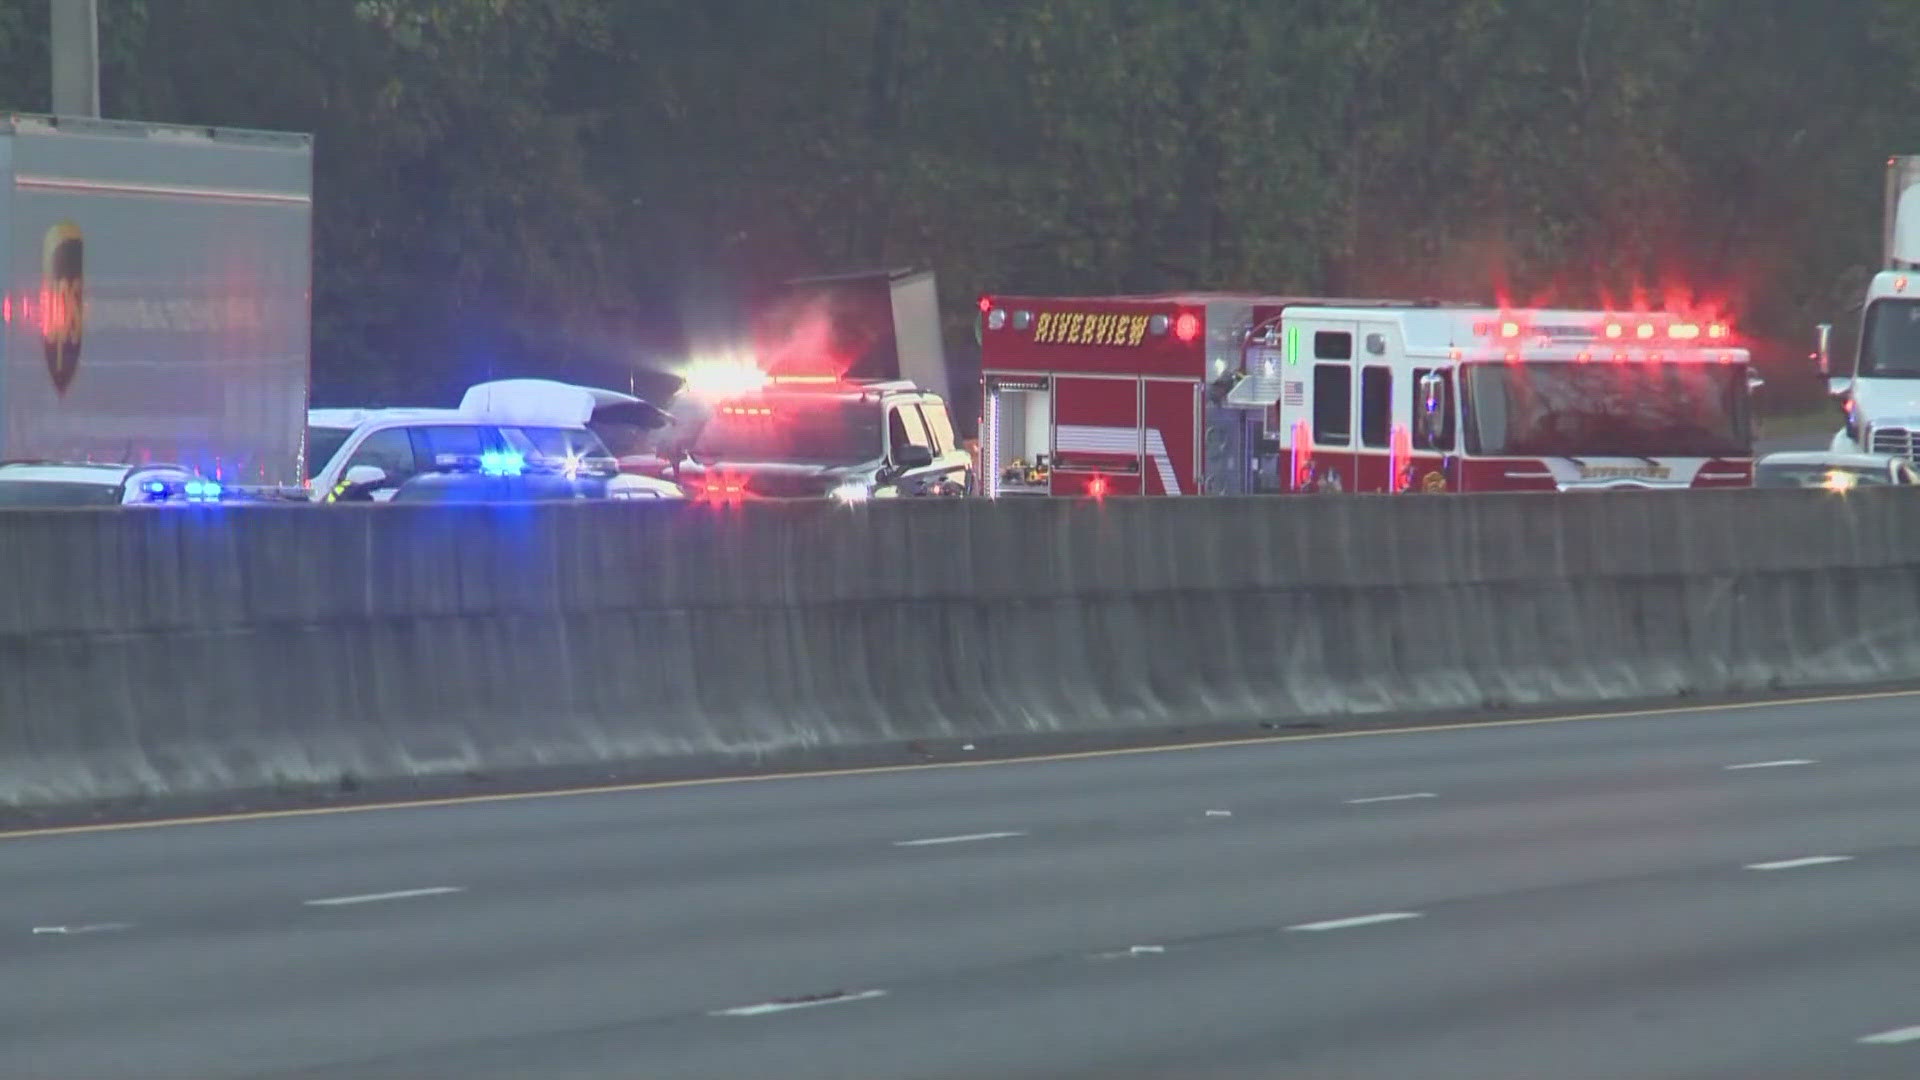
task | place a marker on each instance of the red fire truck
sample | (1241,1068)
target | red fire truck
(1214,394)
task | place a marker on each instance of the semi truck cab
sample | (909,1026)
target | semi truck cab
(1879,387)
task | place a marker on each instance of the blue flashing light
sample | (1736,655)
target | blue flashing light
(502,463)
(155,487)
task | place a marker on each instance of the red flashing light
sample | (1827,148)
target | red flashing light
(1653,358)
(1097,487)
(1513,356)
(1645,332)
(1717,331)
(1509,329)
(1900,283)
(806,380)
(1683,331)
(747,410)
(1619,358)
(1584,357)
(1614,330)
(1186,326)
(986,304)
(1453,354)
(723,489)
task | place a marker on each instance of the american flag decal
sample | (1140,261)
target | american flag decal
(1293,393)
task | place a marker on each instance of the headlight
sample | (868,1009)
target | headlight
(852,494)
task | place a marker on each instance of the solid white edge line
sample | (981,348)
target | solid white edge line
(1392,798)
(1795,864)
(374,898)
(967,839)
(878,770)
(1357,920)
(1894,1037)
(768,1007)
(1786,763)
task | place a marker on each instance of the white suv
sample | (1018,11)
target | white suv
(369,453)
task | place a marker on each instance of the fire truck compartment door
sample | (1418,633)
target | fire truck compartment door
(1096,425)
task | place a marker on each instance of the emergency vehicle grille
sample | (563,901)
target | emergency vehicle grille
(1893,440)
(773,485)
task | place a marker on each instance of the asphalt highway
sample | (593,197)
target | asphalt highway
(1719,893)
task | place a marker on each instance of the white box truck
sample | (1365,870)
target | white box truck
(155,296)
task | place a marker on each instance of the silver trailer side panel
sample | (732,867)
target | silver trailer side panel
(157,295)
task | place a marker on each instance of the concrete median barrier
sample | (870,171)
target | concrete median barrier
(156,654)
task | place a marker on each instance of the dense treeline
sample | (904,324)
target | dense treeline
(576,185)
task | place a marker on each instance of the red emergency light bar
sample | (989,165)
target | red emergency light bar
(1612,328)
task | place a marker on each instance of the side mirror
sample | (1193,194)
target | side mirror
(913,457)
(1823,348)
(365,476)
(1838,385)
(1754,381)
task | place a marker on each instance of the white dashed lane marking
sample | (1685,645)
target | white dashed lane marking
(765,1008)
(1795,864)
(1357,920)
(375,898)
(967,839)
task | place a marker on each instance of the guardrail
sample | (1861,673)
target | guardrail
(165,654)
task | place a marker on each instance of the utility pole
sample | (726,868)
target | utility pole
(76,57)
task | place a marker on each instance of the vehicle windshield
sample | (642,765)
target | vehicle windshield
(57,493)
(796,431)
(322,444)
(1559,409)
(1812,475)
(1890,343)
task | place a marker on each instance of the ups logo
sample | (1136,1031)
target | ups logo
(62,302)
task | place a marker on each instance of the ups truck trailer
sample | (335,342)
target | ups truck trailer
(156,303)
